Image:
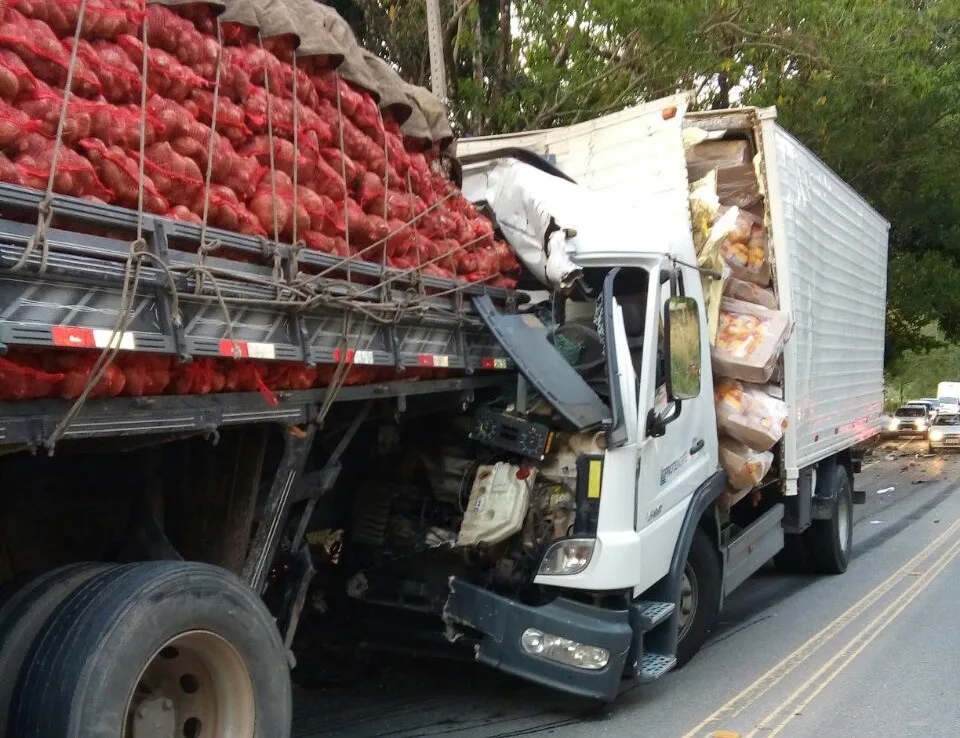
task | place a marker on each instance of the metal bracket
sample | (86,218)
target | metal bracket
(328,475)
(295,604)
(263,549)
(157,240)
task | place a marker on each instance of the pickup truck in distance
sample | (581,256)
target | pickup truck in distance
(564,487)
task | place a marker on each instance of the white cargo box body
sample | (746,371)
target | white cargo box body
(834,246)
(830,254)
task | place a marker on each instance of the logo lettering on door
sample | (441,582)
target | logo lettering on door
(673,468)
(655,513)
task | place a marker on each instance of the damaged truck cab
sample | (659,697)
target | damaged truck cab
(627,530)
(617,594)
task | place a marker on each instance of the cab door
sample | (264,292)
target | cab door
(677,437)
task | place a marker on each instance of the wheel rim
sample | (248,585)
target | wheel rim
(687,607)
(195,685)
(845,513)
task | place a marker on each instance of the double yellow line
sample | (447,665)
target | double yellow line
(804,694)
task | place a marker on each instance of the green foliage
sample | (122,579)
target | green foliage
(870,85)
(916,374)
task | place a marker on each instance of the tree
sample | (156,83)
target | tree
(869,85)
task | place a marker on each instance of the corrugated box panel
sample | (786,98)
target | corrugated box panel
(837,246)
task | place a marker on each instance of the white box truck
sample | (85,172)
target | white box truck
(661,533)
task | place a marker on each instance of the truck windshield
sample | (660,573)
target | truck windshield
(948,420)
(949,400)
(911,412)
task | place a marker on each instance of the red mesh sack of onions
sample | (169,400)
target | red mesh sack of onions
(144,374)
(179,37)
(231,120)
(120,173)
(177,177)
(41,51)
(102,19)
(166,76)
(119,77)
(15,79)
(121,125)
(74,175)
(227,167)
(14,126)
(272,203)
(8,172)
(227,212)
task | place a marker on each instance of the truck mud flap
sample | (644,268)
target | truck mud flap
(525,339)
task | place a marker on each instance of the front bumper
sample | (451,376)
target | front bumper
(501,621)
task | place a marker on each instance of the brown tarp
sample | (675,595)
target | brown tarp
(393,94)
(315,38)
(436,125)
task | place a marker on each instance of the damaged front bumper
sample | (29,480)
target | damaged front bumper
(502,623)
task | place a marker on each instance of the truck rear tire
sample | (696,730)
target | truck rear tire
(24,612)
(829,542)
(699,597)
(176,648)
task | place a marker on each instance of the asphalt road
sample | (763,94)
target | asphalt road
(874,652)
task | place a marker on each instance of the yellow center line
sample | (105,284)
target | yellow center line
(864,638)
(773,676)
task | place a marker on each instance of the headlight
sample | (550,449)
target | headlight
(569,556)
(936,435)
(563,650)
(921,424)
(894,424)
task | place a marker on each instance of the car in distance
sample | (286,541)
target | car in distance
(944,434)
(910,420)
(932,405)
(949,395)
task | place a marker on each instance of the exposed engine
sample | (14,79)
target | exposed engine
(484,509)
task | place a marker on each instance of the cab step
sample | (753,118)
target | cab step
(653,666)
(645,615)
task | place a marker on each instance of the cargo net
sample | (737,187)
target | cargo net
(174,112)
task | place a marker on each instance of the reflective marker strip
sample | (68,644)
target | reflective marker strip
(70,336)
(436,360)
(247,349)
(355,357)
(491,363)
(594,479)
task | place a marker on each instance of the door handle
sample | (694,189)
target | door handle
(696,447)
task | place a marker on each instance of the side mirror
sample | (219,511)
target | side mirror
(682,334)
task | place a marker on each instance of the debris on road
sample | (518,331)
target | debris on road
(885,490)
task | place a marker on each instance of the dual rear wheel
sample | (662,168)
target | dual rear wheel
(158,649)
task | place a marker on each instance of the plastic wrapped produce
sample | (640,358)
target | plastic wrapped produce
(745,467)
(707,238)
(749,341)
(744,246)
(750,292)
(749,414)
